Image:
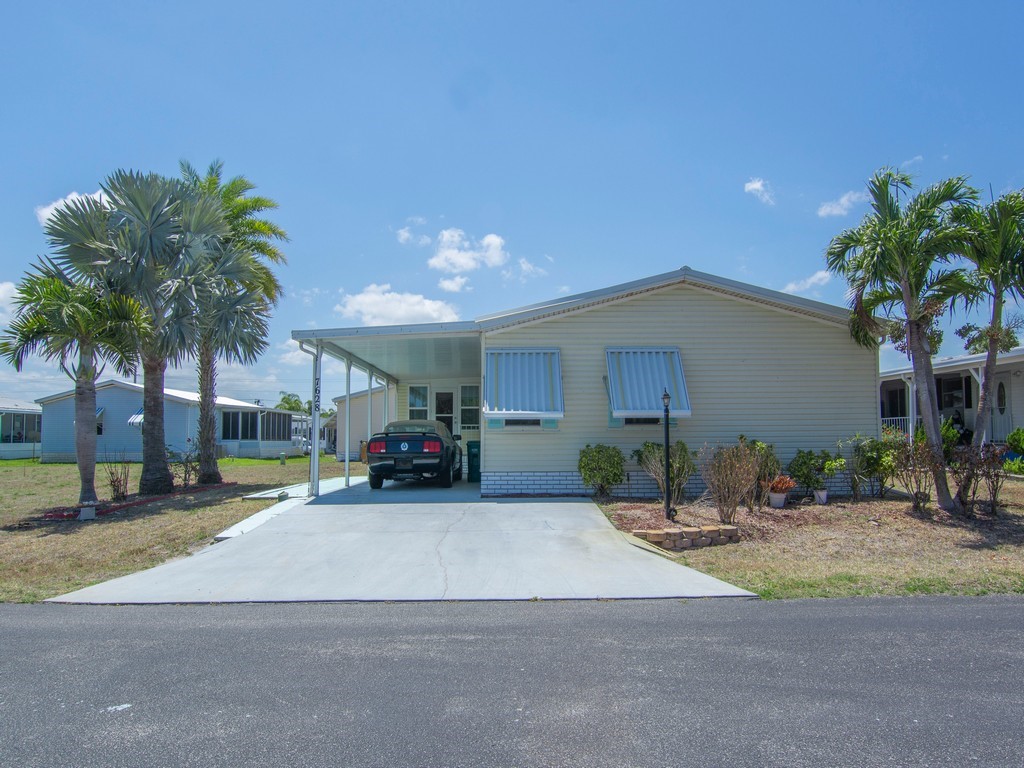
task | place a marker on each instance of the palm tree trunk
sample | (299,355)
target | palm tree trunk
(924,375)
(983,415)
(209,472)
(85,426)
(156,476)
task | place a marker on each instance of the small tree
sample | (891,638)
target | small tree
(601,467)
(651,458)
(729,472)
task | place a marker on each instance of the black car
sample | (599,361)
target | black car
(413,450)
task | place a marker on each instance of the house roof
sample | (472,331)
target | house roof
(175,395)
(358,394)
(425,349)
(958,362)
(13,405)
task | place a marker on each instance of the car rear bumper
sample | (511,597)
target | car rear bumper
(411,466)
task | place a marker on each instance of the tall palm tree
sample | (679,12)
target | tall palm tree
(239,341)
(894,262)
(157,237)
(82,328)
(995,248)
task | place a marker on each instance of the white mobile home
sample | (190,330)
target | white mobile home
(957,384)
(20,429)
(536,384)
(243,429)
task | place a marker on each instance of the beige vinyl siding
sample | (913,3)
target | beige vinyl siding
(788,379)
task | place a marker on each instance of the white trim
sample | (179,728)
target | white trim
(408,401)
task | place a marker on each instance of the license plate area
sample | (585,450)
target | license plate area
(403,463)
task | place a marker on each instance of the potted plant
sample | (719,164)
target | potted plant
(778,489)
(829,468)
(810,470)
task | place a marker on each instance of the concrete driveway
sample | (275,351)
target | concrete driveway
(410,541)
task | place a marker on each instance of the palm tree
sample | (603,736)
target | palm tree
(157,238)
(81,328)
(249,234)
(894,261)
(995,248)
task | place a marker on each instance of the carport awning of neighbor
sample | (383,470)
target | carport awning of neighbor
(388,354)
(637,378)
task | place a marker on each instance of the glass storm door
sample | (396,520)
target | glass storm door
(444,409)
(1002,418)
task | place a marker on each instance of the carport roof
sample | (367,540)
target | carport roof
(452,350)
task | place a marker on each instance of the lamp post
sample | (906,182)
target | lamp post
(670,514)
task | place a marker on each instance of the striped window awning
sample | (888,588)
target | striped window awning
(637,378)
(136,420)
(523,384)
(99,411)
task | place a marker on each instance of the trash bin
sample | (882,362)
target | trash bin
(473,459)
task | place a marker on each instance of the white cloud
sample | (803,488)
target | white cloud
(453,284)
(7,291)
(760,189)
(44,212)
(563,289)
(458,253)
(406,236)
(912,161)
(379,305)
(419,221)
(526,271)
(818,279)
(843,205)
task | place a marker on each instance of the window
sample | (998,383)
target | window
(276,426)
(1001,398)
(641,421)
(522,422)
(523,384)
(229,425)
(249,429)
(469,406)
(419,399)
(637,378)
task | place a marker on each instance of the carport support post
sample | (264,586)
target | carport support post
(369,406)
(314,449)
(348,416)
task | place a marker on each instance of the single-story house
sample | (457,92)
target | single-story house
(21,426)
(957,384)
(243,429)
(535,385)
(365,420)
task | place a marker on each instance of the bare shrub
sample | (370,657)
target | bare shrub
(992,472)
(117,477)
(729,473)
(768,468)
(184,464)
(914,467)
(651,458)
(966,471)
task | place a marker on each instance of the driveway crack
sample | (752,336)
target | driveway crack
(437,550)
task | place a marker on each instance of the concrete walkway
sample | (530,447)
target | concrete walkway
(412,542)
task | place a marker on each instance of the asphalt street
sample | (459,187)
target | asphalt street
(863,682)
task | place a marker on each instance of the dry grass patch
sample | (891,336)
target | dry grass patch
(872,547)
(41,558)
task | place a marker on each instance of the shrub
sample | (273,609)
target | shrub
(184,465)
(1015,440)
(808,468)
(601,467)
(651,458)
(117,477)
(768,468)
(991,462)
(1014,466)
(914,465)
(729,472)
(873,461)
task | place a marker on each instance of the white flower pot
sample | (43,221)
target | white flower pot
(821,496)
(776,500)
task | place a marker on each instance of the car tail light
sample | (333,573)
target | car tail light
(377,446)
(431,446)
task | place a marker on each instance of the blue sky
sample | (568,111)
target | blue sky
(444,160)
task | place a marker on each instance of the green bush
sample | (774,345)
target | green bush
(683,464)
(601,467)
(948,433)
(1015,440)
(1014,466)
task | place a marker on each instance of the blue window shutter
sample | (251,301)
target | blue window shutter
(495,423)
(549,423)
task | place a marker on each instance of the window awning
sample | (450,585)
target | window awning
(637,378)
(136,420)
(523,384)
(99,411)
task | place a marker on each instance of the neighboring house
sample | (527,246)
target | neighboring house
(378,416)
(243,429)
(957,384)
(20,429)
(537,384)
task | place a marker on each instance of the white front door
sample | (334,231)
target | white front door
(444,409)
(1002,418)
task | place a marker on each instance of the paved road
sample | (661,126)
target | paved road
(879,682)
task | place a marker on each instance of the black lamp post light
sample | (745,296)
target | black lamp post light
(670,514)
